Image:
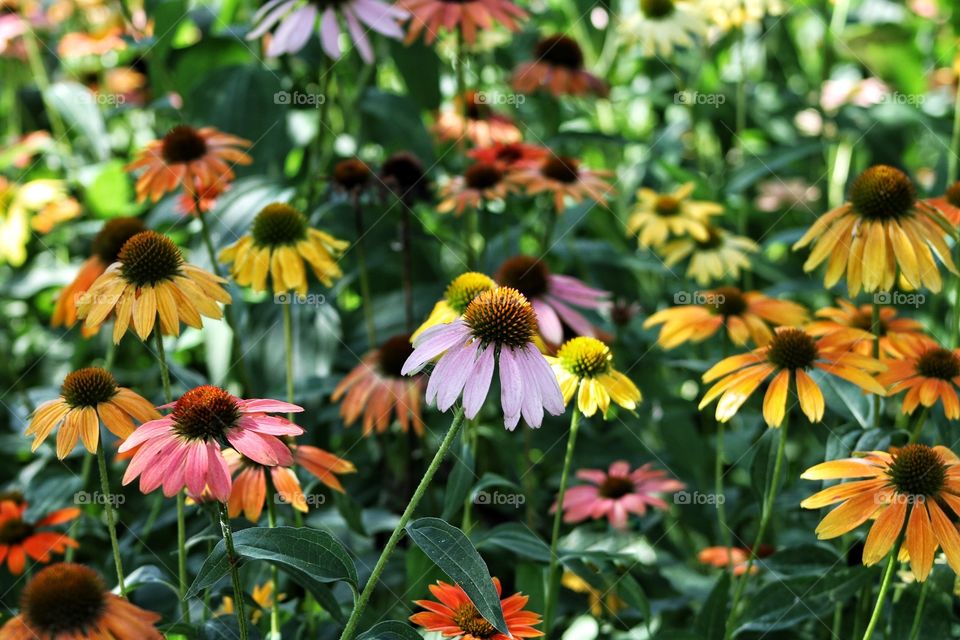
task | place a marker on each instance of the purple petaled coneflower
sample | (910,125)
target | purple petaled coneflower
(497,327)
(553,297)
(297,19)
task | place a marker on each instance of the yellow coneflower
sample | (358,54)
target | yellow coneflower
(262,595)
(720,256)
(790,354)
(662,26)
(459,294)
(38,205)
(746,315)
(150,280)
(913,491)
(584,366)
(279,242)
(68,600)
(882,231)
(87,398)
(658,216)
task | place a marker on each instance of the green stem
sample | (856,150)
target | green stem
(918,425)
(111,516)
(918,614)
(725,534)
(877,329)
(470,444)
(553,579)
(39,72)
(884,587)
(227,309)
(364,276)
(274,572)
(954,141)
(406,239)
(288,352)
(361,601)
(84,482)
(768,502)
(164,369)
(234,561)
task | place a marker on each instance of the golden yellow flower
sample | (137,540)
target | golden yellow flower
(148,281)
(658,216)
(459,294)
(720,256)
(584,366)
(279,242)
(38,205)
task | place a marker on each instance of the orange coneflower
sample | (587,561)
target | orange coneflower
(456,616)
(949,203)
(746,315)
(928,374)
(194,159)
(510,156)
(68,600)
(279,243)
(249,491)
(473,118)
(558,68)
(148,281)
(376,390)
(480,183)
(20,538)
(897,335)
(790,354)
(564,177)
(882,231)
(736,558)
(104,251)
(87,398)
(911,491)
(432,16)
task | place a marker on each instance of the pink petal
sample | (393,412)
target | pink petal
(265,405)
(433,342)
(478,383)
(330,33)
(218,475)
(146,431)
(511,388)
(548,322)
(269,425)
(252,445)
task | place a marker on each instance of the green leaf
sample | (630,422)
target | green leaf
(390,630)
(81,114)
(459,483)
(311,557)
(447,546)
(226,628)
(845,398)
(395,122)
(518,539)
(711,622)
(761,469)
(420,67)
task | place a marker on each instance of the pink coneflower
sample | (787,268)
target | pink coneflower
(432,16)
(183,449)
(616,493)
(497,326)
(552,296)
(297,19)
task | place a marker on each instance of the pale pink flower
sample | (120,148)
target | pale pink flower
(183,449)
(553,297)
(618,492)
(862,93)
(298,19)
(498,327)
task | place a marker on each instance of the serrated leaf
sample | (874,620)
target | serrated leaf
(311,557)
(453,552)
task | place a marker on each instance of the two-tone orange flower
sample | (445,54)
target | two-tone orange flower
(788,357)
(455,616)
(480,184)
(912,491)
(87,398)
(930,374)
(471,117)
(564,177)
(883,231)
(375,390)
(746,316)
(68,600)
(194,159)
(897,335)
(20,538)
(949,203)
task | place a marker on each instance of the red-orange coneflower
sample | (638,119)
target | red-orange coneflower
(431,16)
(20,538)
(557,67)
(456,616)
(563,177)
(481,183)
(473,117)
